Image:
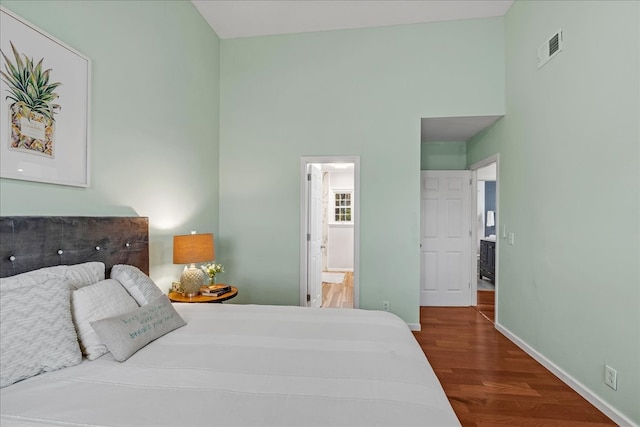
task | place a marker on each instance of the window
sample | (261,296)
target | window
(342,207)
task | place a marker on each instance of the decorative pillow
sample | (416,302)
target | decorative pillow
(138,284)
(79,275)
(129,332)
(36,330)
(85,274)
(103,299)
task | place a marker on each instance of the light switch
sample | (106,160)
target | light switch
(504,231)
(512,238)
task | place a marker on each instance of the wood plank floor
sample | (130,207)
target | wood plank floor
(490,381)
(486,304)
(338,295)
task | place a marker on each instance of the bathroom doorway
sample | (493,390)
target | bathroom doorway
(329,232)
(486,235)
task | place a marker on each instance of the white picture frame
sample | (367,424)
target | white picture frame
(47,143)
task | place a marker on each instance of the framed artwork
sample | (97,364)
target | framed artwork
(44,106)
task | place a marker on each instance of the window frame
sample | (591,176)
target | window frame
(350,207)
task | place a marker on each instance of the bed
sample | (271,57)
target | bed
(216,364)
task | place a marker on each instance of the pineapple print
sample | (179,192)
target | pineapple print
(31,114)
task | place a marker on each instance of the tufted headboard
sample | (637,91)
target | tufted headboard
(31,242)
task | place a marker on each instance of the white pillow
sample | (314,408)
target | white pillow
(98,301)
(36,330)
(129,332)
(85,274)
(79,275)
(138,284)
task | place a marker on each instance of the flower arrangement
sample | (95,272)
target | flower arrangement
(212,269)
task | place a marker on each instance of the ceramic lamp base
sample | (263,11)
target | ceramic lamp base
(191,280)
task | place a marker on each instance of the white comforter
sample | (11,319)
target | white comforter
(247,365)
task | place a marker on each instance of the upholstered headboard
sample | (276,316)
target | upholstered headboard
(31,242)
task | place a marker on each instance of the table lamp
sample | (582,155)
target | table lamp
(189,249)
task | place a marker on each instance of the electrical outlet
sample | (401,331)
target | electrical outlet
(611,377)
(512,238)
(385,305)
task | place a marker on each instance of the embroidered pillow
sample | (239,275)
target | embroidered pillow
(129,332)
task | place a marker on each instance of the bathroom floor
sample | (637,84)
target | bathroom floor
(485,285)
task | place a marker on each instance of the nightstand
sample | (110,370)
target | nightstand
(178,297)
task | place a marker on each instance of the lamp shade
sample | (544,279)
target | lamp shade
(192,248)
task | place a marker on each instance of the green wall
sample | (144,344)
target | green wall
(569,149)
(154,119)
(449,155)
(569,152)
(359,93)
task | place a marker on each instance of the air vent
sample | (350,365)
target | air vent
(554,44)
(550,48)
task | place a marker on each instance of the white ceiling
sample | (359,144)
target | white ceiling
(245,18)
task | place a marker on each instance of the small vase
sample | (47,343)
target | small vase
(212,280)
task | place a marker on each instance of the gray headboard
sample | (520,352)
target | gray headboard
(31,242)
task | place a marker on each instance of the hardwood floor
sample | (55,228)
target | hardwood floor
(338,295)
(490,381)
(486,304)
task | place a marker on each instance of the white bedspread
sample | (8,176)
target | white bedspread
(236,365)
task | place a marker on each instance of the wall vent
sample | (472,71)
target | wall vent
(550,48)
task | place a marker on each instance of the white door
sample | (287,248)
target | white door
(314,237)
(445,267)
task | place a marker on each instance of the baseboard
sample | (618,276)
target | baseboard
(415,327)
(578,387)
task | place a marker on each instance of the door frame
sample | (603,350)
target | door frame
(315,219)
(495,158)
(304,161)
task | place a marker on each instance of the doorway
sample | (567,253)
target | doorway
(445,238)
(486,232)
(329,231)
